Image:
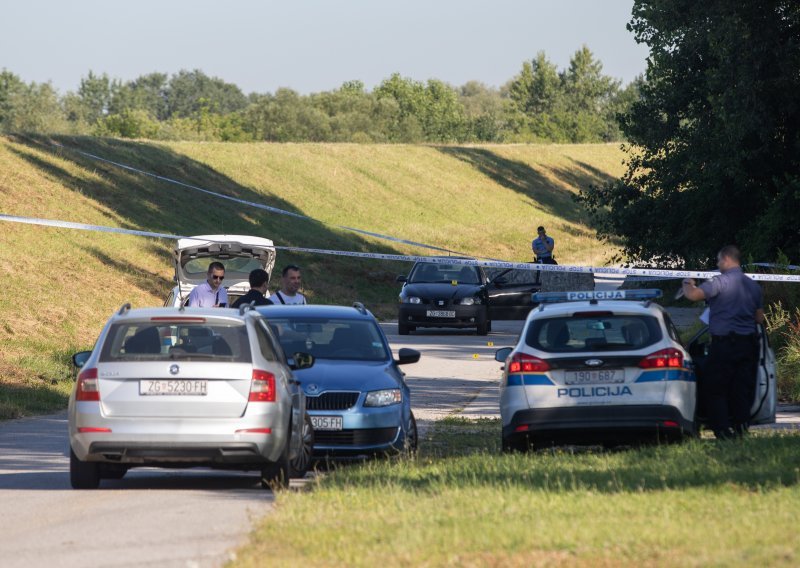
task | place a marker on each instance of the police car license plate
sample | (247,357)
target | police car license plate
(440,314)
(595,376)
(173,387)
(326,422)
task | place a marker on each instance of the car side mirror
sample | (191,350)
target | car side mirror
(401,278)
(502,354)
(79,359)
(301,361)
(406,356)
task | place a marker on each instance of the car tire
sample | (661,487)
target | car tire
(112,470)
(299,466)
(511,444)
(483,328)
(403,329)
(83,475)
(276,475)
(411,441)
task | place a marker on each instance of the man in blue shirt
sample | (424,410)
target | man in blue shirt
(211,293)
(543,247)
(736,308)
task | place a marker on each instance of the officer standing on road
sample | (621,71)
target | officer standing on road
(543,247)
(736,306)
(259,280)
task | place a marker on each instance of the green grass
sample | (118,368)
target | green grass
(462,503)
(62,284)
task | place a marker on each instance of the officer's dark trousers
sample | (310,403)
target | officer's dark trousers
(730,385)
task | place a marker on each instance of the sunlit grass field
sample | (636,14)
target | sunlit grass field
(462,503)
(61,284)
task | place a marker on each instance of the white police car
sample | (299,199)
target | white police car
(596,367)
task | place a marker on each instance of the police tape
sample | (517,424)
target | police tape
(560,268)
(252,203)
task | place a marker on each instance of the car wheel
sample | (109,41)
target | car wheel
(403,329)
(483,328)
(512,444)
(83,475)
(411,441)
(112,470)
(300,464)
(276,475)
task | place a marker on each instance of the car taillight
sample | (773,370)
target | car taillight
(88,389)
(665,359)
(522,363)
(262,388)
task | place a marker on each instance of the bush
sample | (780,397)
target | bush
(783,327)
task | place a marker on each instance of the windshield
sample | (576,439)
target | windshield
(602,332)
(429,272)
(330,338)
(148,341)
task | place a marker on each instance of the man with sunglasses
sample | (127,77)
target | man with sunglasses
(210,294)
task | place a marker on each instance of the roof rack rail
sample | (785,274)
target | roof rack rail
(124,309)
(360,307)
(245,307)
(645,294)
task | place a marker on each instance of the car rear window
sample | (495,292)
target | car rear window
(601,332)
(329,338)
(429,272)
(167,340)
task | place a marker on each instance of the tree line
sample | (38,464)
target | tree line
(539,104)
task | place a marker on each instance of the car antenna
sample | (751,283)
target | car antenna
(244,307)
(124,309)
(360,307)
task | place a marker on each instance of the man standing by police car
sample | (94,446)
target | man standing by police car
(542,247)
(736,307)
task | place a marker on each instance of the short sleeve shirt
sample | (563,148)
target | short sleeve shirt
(539,246)
(204,297)
(733,299)
(279,298)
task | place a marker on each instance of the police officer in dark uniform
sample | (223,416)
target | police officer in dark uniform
(736,307)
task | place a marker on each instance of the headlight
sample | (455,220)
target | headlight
(411,300)
(384,397)
(470,301)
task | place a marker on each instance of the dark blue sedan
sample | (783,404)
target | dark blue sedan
(355,393)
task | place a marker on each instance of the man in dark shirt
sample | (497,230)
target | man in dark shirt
(736,308)
(259,280)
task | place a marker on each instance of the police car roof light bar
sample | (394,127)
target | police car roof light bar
(584,295)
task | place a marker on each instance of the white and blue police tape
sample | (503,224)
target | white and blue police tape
(253,203)
(413,258)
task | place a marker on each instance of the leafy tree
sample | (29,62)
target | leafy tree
(11,89)
(716,134)
(187,91)
(94,96)
(30,107)
(148,93)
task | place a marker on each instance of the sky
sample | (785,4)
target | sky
(311,45)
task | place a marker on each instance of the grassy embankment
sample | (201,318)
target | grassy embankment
(61,285)
(461,503)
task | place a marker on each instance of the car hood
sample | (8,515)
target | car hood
(239,253)
(441,290)
(330,375)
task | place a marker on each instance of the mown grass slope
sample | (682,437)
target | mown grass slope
(62,284)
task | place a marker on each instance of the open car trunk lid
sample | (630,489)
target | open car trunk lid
(240,254)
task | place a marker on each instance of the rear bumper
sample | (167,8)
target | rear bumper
(587,424)
(465,316)
(232,453)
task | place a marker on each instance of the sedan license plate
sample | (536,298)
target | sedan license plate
(440,313)
(173,387)
(594,377)
(326,422)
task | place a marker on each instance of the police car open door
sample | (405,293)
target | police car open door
(766,398)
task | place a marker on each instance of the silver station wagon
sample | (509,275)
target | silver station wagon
(171,387)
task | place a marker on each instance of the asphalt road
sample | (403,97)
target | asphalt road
(195,518)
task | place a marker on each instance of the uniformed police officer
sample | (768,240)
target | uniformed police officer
(543,247)
(736,307)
